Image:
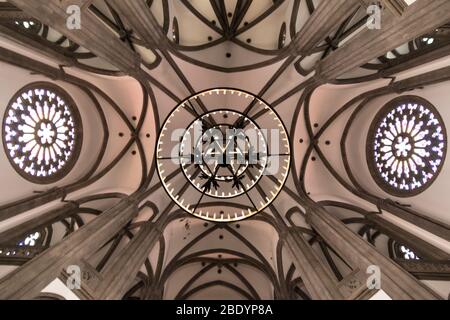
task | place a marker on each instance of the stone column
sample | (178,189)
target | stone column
(437,228)
(17,207)
(119,274)
(325,19)
(318,280)
(418,19)
(395,281)
(27,281)
(93,35)
(140,18)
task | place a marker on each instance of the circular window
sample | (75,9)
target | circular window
(406,146)
(42,132)
(223,155)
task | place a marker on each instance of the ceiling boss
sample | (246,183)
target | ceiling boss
(223,155)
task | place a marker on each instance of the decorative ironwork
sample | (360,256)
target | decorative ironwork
(224,154)
(42,132)
(406,146)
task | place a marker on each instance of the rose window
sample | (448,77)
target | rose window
(42,132)
(406,146)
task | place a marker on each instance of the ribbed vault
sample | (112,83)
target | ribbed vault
(317,65)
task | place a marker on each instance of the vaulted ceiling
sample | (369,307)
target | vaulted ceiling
(321,70)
